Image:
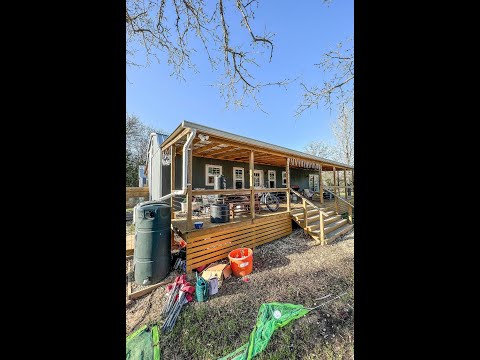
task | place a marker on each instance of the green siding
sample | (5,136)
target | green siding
(297,176)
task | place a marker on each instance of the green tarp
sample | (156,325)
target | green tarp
(270,317)
(143,344)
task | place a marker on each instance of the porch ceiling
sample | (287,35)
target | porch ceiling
(218,147)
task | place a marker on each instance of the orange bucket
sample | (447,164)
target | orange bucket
(241,261)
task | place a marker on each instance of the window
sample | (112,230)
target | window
(238,178)
(284,178)
(272,181)
(257,178)
(210,172)
(313,182)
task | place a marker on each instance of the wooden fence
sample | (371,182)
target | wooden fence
(134,195)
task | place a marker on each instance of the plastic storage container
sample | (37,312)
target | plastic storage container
(241,261)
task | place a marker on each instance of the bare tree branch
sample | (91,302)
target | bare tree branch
(165,27)
(337,89)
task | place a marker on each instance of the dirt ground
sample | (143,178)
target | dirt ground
(287,270)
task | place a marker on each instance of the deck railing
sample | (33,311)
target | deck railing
(341,204)
(246,204)
(341,190)
(321,214)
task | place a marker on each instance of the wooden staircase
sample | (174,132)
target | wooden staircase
(333,224)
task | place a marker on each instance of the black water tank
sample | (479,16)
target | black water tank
(152,243)
(219,213)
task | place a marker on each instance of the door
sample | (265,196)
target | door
(272,179)
(258,179)
(313,182)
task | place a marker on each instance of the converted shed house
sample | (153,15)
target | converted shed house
(182,169)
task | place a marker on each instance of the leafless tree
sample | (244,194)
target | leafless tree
(178,27)
(343,131)
(337,88)
(137,140)
(320,149)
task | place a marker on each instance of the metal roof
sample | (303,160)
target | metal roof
(253,142)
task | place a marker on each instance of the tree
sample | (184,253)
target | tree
(343,130)
(178,27)
(137,140)
(320,149)
(337,89)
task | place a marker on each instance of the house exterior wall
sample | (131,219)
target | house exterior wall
(297,176)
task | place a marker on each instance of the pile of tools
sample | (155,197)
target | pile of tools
(179,293)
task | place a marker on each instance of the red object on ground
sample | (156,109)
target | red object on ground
(200,268)
(185,286)
(241,261)
(246,279)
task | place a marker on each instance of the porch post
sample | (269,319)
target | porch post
(172,177)
(334,181)
(345,181)
(189,189)
(353,183)
(287,170)
(320,183)
(252,193)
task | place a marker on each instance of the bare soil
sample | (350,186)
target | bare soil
(287,270)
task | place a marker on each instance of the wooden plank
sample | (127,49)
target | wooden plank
(210,242)
(221,192)
(287,172)
(320,181)
(252,190)
(334,181)
(270,190)
(199,151)
(129,283)
(167,144)
(350,215)
(194,264)
(322,229)
(132,192)
(204,232)
(234,242)
(149,289)
(345,181)
(227,233)
(220,151)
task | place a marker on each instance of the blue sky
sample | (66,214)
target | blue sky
(303,32)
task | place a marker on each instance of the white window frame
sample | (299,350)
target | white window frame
(260,178)
(284,178)
(314,176)
(235,178)
(274,178)
(207,174)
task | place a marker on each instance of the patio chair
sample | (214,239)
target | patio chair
(308,193)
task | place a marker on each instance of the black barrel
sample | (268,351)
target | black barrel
(152,243)
(219,213)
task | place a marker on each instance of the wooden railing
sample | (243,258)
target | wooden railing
(336,189)
(321,214)
(350,206)
(248,193)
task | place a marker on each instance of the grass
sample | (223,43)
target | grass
(286,270)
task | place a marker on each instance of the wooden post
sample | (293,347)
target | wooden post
(353,186)
(172,177)
(336,204)
(350,214)
(345,181)
(305,221)
(189,190)
(252,193)
(338,182)
(334,181)
(287,170)
(320,183)
(322,233)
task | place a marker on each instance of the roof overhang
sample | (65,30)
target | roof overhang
(227,146)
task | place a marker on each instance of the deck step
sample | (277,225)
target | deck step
(299,215)
(331,212)
(331,219)
(337,233)
(316,225)
(335,225)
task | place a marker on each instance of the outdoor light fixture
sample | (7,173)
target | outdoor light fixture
(203,137)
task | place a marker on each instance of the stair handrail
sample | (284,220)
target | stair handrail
(337,196)
(308,201)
